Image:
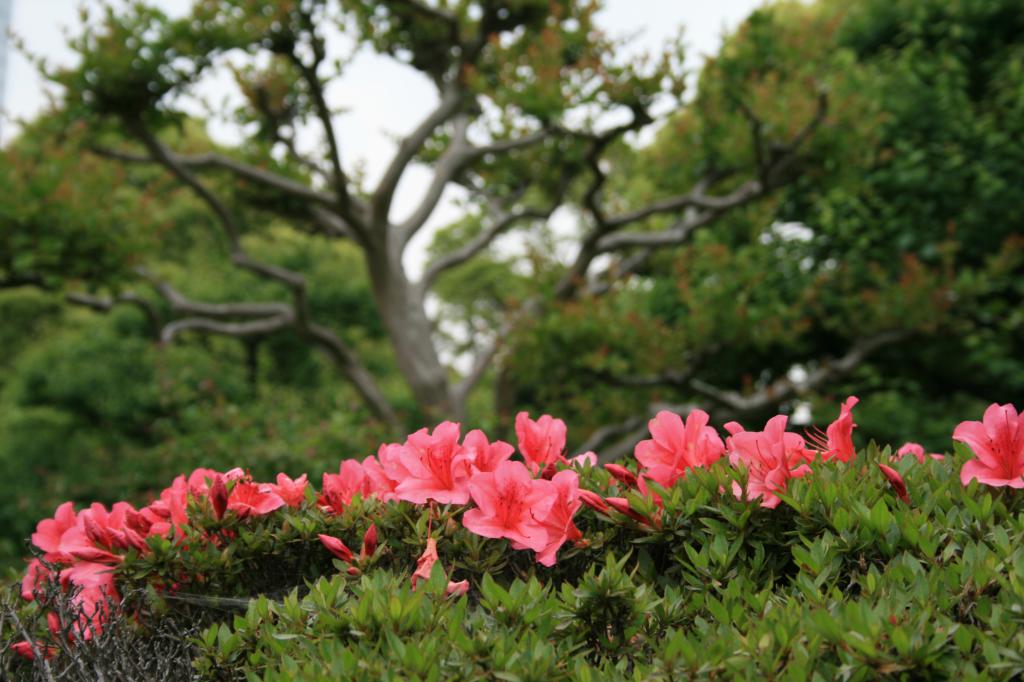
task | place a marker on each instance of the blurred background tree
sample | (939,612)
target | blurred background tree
(833,211)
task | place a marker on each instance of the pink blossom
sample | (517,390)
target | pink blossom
(677,446)
(998,445)
(541,442)
(509,503)
(293,492)
(456,589)
(95,583)
(438,467)
(772,457)
(558,521)
(27,649)
(483,455)
(199,482)
(171,510)
(917,450)
(247,498)
(837,441)
(339,489)
(386,471)
(587,459)
(35,576)
(49,531)
(425,563)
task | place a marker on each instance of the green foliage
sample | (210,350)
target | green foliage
(907,222)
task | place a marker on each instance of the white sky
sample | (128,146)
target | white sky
(382,99)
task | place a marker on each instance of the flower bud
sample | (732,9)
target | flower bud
(219,497)
(369,542)
(622,474)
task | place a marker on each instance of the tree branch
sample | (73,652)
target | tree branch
(701,207)
(182,304)
(316,90)
(298,314)
(249,328)
(784,388)
(241,169)
(408,148)
(106,304)
(501,222)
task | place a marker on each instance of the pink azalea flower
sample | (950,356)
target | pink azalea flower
(199,482)
(587,459)
(49,531)
(35,575)
(772,457)
(896,481)
(677,446)
(425,563)
(171,510)
(247,498)
(558,521)
(336,547)
(293,492)
(541,442)
(917,450)
(338,489)
(386,471)
(438,467)
(509,502)
(837,441)
(456,589)
(483,455)
(998,445)
(95,583)
(27,650)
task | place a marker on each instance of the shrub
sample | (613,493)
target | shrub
(764,555)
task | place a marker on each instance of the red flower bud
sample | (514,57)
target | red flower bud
(622,474)
(336,547)
(593,500)
(369,542)
(219,497)
(621,504)
(896,481)
(353,571)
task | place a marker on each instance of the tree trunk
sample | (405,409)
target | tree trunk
(405,319)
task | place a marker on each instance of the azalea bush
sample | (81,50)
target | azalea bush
(768,552)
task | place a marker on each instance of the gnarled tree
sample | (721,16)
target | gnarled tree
(531,98)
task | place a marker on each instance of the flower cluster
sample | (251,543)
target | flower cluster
(532,502)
